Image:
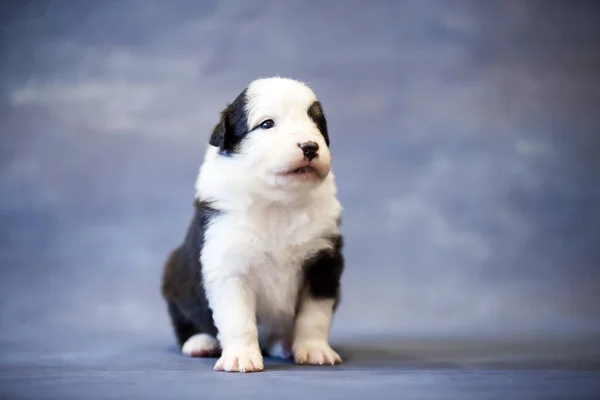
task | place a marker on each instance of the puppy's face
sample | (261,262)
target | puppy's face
(275,134)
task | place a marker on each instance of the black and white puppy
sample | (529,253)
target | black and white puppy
(260,267)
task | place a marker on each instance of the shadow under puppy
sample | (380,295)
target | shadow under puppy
(259,269)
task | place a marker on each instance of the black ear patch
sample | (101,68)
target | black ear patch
(233,126)
(315,112)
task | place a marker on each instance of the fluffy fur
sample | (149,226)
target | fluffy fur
(259,269)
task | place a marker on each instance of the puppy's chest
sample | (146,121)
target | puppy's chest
(281,245)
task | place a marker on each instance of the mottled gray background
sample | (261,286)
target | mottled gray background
(466,140)
(465,136)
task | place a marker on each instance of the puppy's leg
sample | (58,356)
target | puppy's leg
(317,305)
(191,339)
(234,312)
(183,327)
(311,340)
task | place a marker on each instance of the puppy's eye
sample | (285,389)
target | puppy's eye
(267,124)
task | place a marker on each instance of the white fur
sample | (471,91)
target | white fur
(311,337)
(254,251)
(200,345)
(280,349)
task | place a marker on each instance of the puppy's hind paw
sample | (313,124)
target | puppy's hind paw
(201,345)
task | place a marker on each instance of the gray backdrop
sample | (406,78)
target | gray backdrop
(465,142)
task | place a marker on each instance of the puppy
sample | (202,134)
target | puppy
(259,269)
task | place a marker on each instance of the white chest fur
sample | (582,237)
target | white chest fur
(266,248)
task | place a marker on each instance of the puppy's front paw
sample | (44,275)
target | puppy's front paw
(315,352)
(240,359)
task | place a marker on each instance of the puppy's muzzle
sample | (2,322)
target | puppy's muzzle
(310,149)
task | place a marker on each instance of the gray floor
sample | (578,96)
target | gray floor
(116,366)
(465,145)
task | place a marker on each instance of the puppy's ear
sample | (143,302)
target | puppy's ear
(315,112)
(223,131)
(232,126)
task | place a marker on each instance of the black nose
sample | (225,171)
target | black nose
(309,149)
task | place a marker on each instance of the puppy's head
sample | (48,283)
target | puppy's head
(274,135)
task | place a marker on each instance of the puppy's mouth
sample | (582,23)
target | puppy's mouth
(304,172)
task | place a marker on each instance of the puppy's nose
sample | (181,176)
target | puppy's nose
(310,149)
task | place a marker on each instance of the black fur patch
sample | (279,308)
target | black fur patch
(315,112)
(233,126)
(182,285)
(323,271)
